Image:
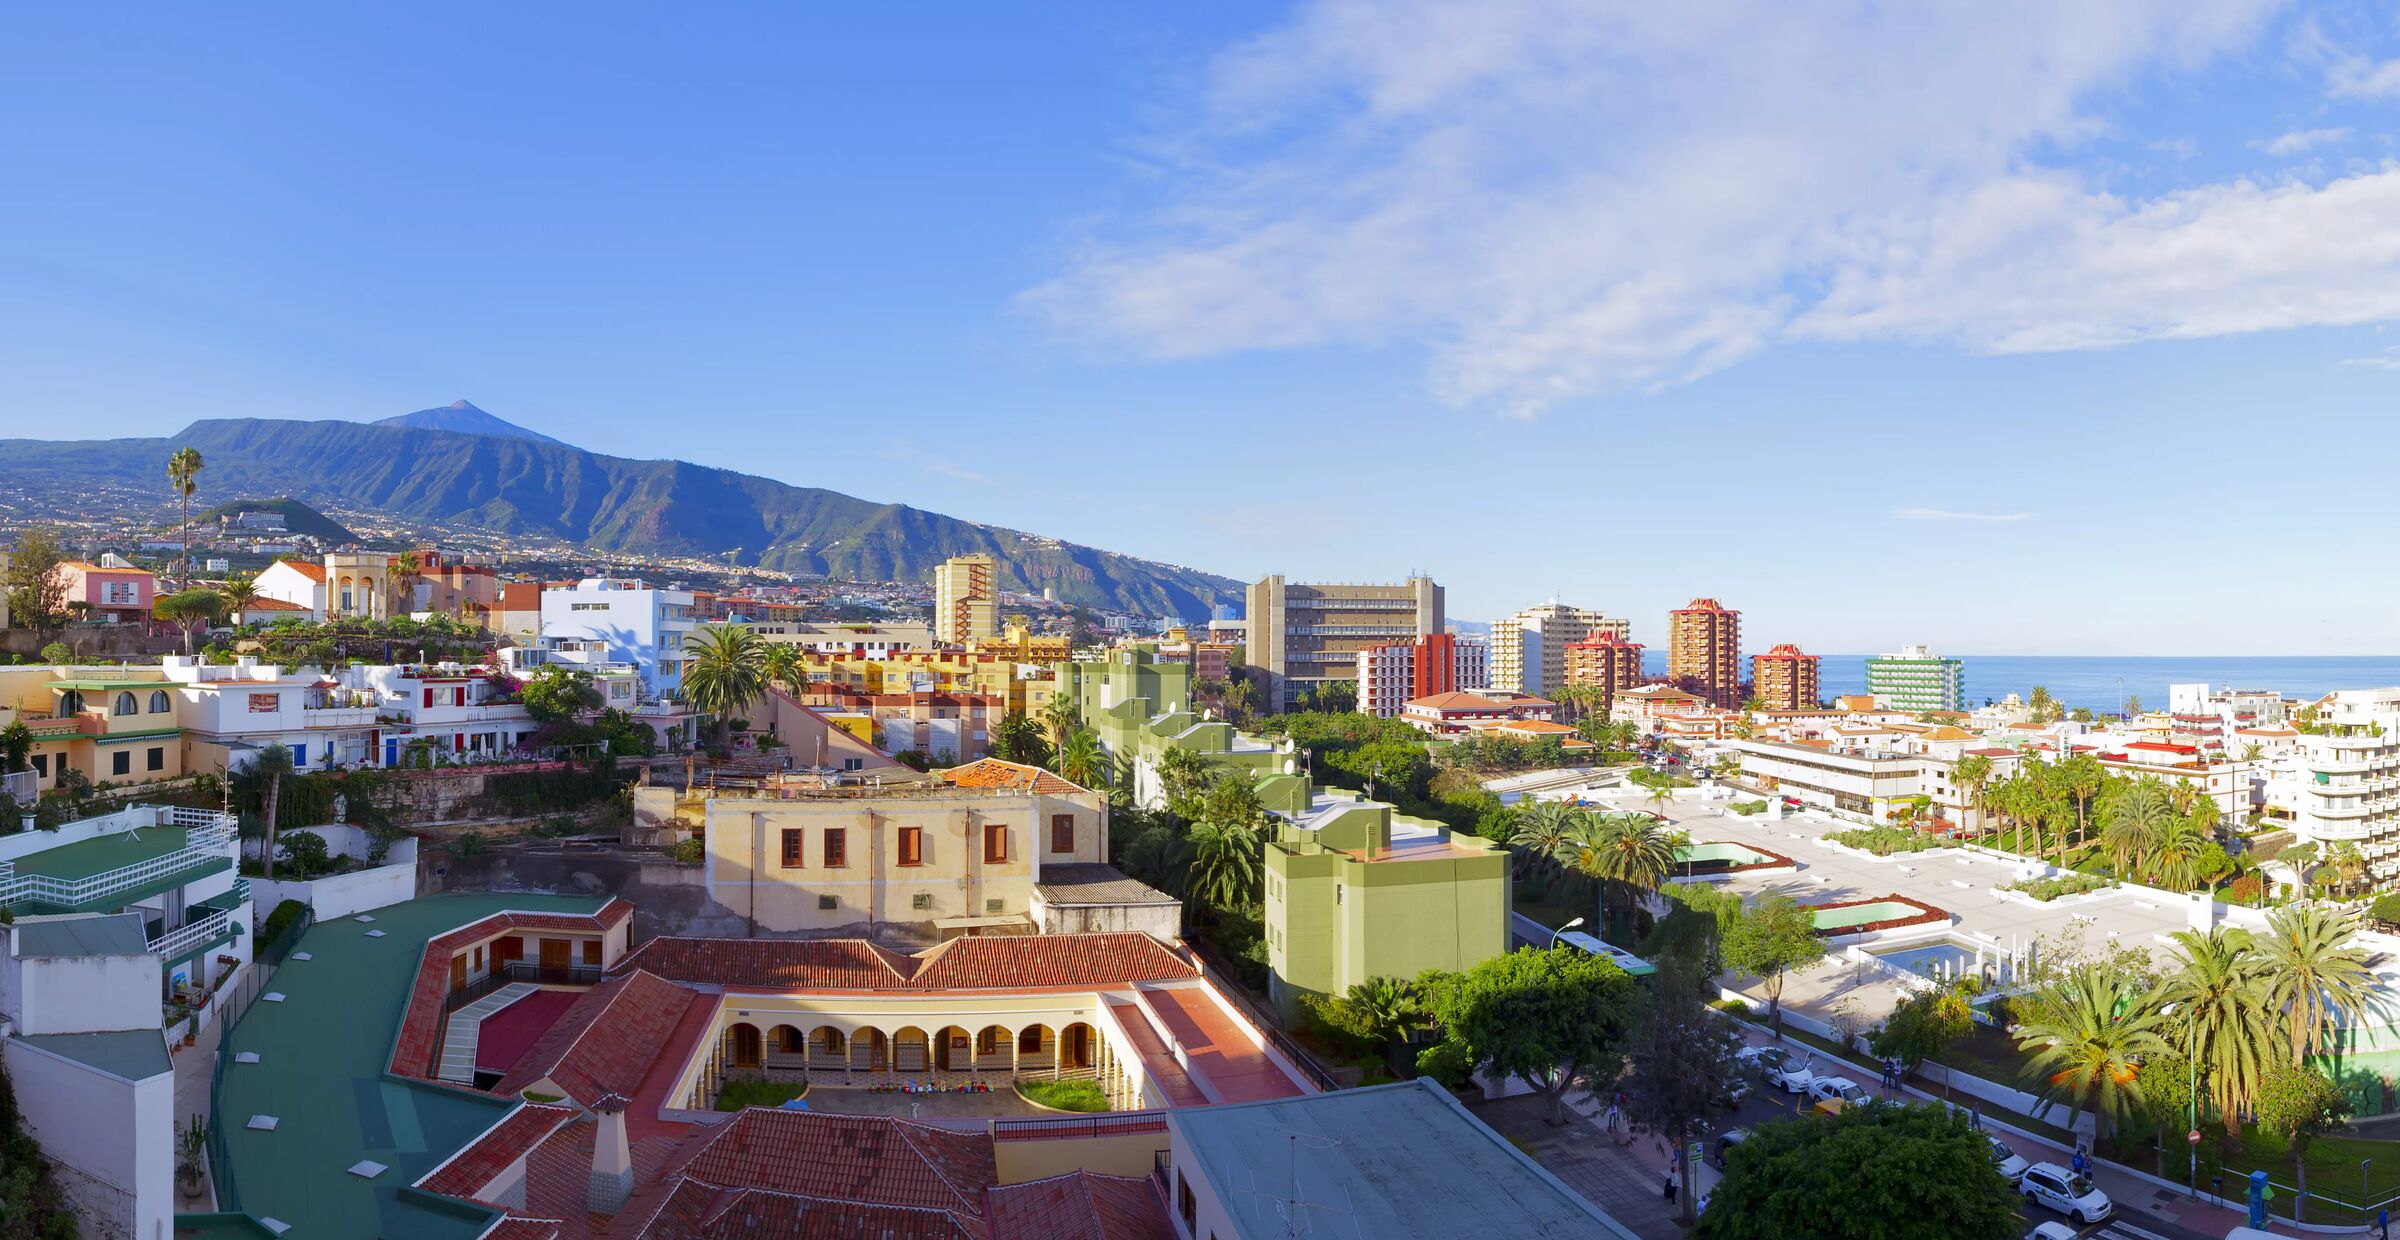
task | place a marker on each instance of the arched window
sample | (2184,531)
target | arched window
(158,702)
(125,705)
(70,703)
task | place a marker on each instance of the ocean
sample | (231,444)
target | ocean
(2094,681)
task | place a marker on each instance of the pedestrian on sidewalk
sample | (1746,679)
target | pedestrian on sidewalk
(1670,1186)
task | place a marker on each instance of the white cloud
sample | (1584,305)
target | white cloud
(1944,514)
(2385,359)
(2302,140)
(1558,198)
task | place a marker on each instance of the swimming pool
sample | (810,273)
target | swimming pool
(1719,851)
(1938,958)
(1860,914)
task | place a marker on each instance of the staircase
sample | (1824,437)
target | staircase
(466,1028)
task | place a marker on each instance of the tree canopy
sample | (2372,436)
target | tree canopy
(1770,939)
(1543,1017)
(1876,1171)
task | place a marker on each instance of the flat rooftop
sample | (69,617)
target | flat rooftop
(100,854)
(323,1053)
(134,1055)
(1385,1160)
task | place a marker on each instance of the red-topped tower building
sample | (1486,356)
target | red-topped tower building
(1784,679)
(1704,651)
(1608,663)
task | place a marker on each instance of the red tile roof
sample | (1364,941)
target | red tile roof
(306,568)
(1008,962)
(807,1173)
(996,773)
(1080,1205)
(421,1023)
(271,604)
(606,1042)
(523,1229)
(472,1169)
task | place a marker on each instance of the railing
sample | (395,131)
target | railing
(1123,1123)
(552,975)
(191,934)
(474,990)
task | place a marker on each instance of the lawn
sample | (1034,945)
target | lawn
(2333,1167)
(1065,1095)
(746,1093)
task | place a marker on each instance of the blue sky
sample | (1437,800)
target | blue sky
(2036,328)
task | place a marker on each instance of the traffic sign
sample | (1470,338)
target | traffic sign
(2193,1136)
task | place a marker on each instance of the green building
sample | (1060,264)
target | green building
(1141,708)
(1355,891)
(1917,679)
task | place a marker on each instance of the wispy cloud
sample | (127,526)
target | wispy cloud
(1944,514)
(2302,140)
(1555,199)
(2385,359)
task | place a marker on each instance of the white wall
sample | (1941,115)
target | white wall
(110,1141)
(339,895)
(81,994)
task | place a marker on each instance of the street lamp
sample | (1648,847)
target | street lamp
(1562,930)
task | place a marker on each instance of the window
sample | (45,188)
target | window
(988,1042)
(1030,1041)
(854,764)
(159,704)
(837,847)
(155,760)
(125,705)
(995,841)
(922,901)
(120,763)
(1062,833)
(787,1040)
(912,845)
(826,904)
(299,756)
(994,907)
(1185,1203)
(792,858)
(41,765)
(834,1043)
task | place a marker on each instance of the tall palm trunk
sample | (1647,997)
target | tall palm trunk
(274,802)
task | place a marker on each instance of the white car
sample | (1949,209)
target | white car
(2011,1163)
(2064,1191)
(1841,1087)
(1793,1077)
(2051,1231)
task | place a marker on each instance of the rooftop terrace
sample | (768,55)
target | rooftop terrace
(323,1051)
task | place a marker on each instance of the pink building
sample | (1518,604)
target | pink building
(109,595)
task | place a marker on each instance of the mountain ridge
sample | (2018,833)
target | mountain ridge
(530,487)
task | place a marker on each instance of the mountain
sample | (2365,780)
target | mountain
(298,518)
(465,419)
(537,488)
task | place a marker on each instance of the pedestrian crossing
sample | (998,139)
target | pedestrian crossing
(2120,1230)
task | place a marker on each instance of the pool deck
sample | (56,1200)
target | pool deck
(323,1054)
(1956,881)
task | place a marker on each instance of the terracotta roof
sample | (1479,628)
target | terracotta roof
(306,568)
(1785,650)
(604,1043)
(1007,962)
(523,1229)
(472,1169)
(1460,699)
(421,1023)
(1080,1205)
(995,773)
(808,1173)
(271,604)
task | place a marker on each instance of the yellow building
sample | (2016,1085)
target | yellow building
(929,671)
(1026,646)
(123,728)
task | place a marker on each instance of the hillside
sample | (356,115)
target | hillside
(525,487)
(298,518)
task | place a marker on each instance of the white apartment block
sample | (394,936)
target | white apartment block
(1387,674)
(2343,784)
(1529,649)
(1856,783)
(623,621)
(1474,662)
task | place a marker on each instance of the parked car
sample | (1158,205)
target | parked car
(1823,1088)
(1727,1139)
(2066,1192)
(2051,1231)
(1735,1089)
(1793,1077)
(2011,1163)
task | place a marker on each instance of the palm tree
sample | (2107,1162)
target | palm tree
(1062,716)
(1224,863)
(272,764)
(1081,760)
(240,593)
(2349,864)
(2220,995)
(400,578)
(183,474)
(2175,862)
(1391,1007)
(2253,751)
(724,672)
(1972,774)
(2137,819)
(2313,972)
(2086,1036)
(781,664)
(1632,849)
(2080,778)
(189,610)
(1540,832)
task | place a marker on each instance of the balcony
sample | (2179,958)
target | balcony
(330,716)
(197,934)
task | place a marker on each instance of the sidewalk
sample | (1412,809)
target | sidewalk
(1624,1181)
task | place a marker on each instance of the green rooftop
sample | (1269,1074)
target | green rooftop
(83,859)
(322,1054)
(117,934)
(134,1055)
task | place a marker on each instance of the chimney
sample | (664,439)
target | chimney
(612,1158)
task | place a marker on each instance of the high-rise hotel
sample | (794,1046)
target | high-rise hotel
(1704,651)
(1917,679)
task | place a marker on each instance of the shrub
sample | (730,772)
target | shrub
(2386,907)
(689,852)
(2246,890)
(1747,808)
(1736,1007)
(280,920)
(1886,841)
(304,855)
(473,844)
(2046,889)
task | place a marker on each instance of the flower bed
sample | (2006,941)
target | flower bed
(1925,915)
(2048,889)
(1885,841)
